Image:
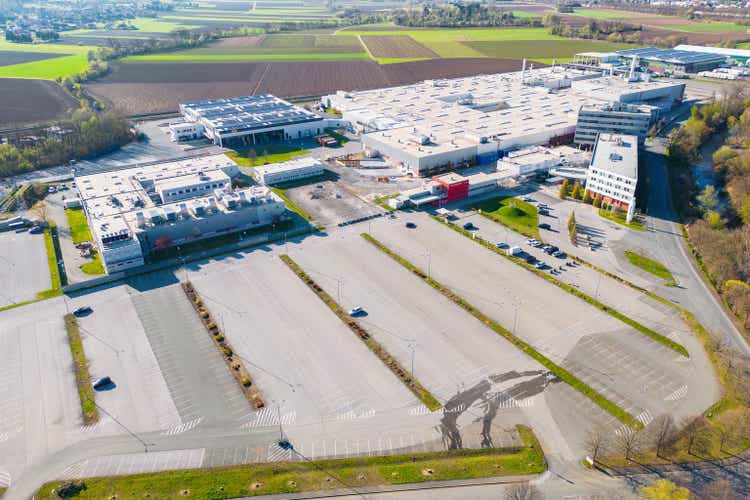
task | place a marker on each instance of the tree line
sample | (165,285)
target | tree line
(88,134)
(472,14)
(611,31)
(718,215)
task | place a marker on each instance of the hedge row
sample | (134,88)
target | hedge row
(83,378)
(411,383)
(574,291)
(559,371)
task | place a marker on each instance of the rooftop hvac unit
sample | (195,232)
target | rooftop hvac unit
(183,208)
(155,217)
(140,219)
(199,210)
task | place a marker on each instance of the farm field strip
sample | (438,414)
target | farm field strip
(171,57)
(546,49)
(395,47)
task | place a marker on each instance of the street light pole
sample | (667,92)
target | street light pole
(144,443)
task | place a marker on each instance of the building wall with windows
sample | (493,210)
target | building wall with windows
(615,118)
(613,173)
(288,171)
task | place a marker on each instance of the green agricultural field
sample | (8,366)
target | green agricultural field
(47,69)
(285,44)
(710,26)
(547,49)
(450,42)
(605,14)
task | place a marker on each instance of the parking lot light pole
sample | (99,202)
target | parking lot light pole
(598,282)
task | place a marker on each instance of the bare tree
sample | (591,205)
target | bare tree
(595,442)
(720,489)
(733,426)
(694,430)
(665,432)
(523,491)
(628,443)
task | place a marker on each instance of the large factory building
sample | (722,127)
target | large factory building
(136,210)
(246,121)
(440,125)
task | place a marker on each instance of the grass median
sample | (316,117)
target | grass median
(574,291)
(650,266)
(83,378)
(408,380)
(307,476)
(53,256)
(518,215)
(528,349)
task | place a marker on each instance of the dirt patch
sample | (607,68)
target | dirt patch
(9,57)
(139,88)
(25,101)
(396,47)
(243,42)
(331,204)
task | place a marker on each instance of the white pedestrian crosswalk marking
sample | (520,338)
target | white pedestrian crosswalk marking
(678,394)
(644,417)
(4,479)
(268,417)
(184,427)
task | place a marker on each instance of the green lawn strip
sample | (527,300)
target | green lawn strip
(709,26)
(649,265)
(269,154)
(388,360)
(94,266)
(382,201)
(573,291)
(619,218)
(79,226)
(559,371)
(518,215)
(166,56)
(53,256)
(306,476)
(83,378)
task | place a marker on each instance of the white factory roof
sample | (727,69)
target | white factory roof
(190,179)
(286,166)
(113,198)
(506,108)
(715,50)
(617,154)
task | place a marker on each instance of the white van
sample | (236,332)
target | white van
(515,251)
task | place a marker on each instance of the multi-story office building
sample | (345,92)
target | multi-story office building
(613,173)
(613,118)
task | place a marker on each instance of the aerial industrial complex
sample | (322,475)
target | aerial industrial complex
(136,210)
(441,125)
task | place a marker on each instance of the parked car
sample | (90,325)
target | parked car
(35,230)
(560,255)
(356,311)
(527,199)
(410,225)
(516,251)
(530,242)
(469,226)
(82,311)
(102,382)
(540,265)
(544,225)
(530,259)
(543,211)
(52,189)
(501,245)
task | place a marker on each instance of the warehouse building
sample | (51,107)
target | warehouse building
(742,56)
(136,210)
(613,173)
(293,170)
(446,188)
(441,125)
(251,120)
(672,60)
(613,118)
(529,161)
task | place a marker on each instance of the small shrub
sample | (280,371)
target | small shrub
(227,351)
(198,302)
(211,325)
(70,489)
(204,314)
(246,381)
(219,338)
(235,366)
